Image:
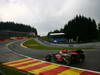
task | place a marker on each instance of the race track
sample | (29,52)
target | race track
(92,61)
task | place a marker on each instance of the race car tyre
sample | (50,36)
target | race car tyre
(81,58)
(67,61)
(48,57)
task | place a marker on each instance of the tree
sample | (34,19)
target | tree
(99,27)
(83,28)
(99,31)
(55,31)
(11,26)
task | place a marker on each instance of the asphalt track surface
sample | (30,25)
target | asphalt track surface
(7,55)
(92,61)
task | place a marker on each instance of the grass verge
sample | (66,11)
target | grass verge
(35,45)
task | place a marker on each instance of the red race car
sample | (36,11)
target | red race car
(66,56)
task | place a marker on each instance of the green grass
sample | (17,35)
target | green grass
(9,71)
(35,45)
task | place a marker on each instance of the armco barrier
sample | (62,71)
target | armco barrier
(37,67)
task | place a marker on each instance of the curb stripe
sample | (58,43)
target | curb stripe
(71,72)
(27,66)
(36,72)
(55,71)
(37,67)
(26,63)
(18,61)
(16,64)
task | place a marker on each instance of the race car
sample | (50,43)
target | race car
(66,56)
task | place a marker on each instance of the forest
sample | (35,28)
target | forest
(81,28)
(11,26)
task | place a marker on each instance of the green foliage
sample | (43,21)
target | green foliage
(35,45)
(99,31)
(99,27)
(17,27)
(56,31)
(82,27)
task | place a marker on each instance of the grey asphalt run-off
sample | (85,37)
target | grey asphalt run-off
(92,61)
(7,55)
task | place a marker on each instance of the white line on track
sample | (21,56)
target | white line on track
(22,45)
